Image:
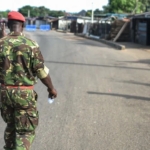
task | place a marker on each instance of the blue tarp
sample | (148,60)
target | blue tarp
(33,27)
(30,27)
(45,27)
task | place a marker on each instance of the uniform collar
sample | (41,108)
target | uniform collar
(13,33)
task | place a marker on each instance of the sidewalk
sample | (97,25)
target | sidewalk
(135,46)
(128,46)
(118,46)
(139,51)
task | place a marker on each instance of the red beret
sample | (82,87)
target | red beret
(14,15)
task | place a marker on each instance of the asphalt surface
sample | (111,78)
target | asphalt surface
(103,96)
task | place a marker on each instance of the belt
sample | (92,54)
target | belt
(18,86)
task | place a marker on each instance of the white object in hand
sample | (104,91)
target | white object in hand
(50,100)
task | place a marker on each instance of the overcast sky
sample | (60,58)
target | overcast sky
(67,5)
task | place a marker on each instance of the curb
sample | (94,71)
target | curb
(110,43)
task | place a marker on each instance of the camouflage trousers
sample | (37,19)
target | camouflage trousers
(18,110)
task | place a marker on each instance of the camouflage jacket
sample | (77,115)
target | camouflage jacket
(21,61)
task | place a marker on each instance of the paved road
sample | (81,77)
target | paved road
(103,96)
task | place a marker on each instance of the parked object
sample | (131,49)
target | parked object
(44,27)
(30,27)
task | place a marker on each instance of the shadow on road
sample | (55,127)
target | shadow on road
(96,65)
(121,95)
(141,61)
(134,82)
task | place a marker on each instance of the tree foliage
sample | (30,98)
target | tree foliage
(39,11)
(114,6)
(3,14)
(89,13)
(126,6)
(35,12)
(96,11)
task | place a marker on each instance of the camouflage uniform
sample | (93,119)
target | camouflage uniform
(21,62)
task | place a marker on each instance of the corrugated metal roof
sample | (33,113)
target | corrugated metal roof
(119,16)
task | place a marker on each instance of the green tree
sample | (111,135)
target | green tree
(126,6)
(106,9)
(143,4)
(89,13)
(24,10)
(34,11)
(96,12)
(43,11)
(40,11)
(3,14)
(54,13)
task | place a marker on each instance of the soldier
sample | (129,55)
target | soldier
(20,63)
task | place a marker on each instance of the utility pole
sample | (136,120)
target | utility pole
(28,13)
(92,14)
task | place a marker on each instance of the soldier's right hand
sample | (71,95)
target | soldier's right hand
(52,93)
(2,26)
